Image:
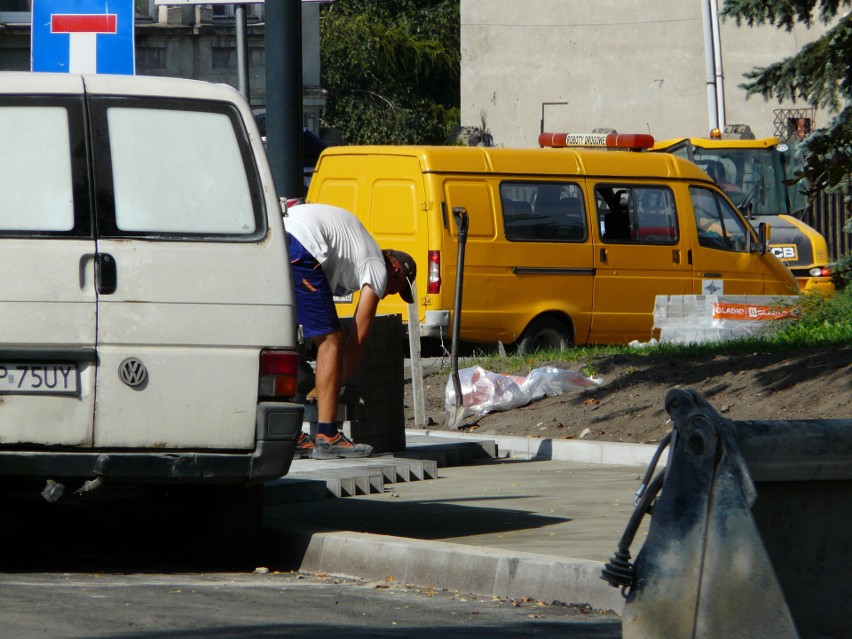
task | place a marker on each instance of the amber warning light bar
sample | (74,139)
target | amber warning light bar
(626,141)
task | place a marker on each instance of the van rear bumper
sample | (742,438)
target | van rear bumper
(435,324)
(278,425)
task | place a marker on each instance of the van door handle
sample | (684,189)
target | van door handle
(675,256)
(603,255)
(106,275)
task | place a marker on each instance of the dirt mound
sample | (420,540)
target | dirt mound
(629,405)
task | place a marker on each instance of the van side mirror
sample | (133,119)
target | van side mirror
(763,234)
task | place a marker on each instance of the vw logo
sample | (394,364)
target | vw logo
(133,372)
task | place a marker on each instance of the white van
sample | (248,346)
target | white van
(147,319)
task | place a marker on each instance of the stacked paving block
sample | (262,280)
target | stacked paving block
(374,396)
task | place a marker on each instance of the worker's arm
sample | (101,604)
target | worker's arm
(356,343)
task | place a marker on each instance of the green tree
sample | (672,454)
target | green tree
(391,69)
(820,75)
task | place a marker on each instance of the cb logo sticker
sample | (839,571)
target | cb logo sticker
(785,252)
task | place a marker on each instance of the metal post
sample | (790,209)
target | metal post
(457,411)
(710,66)
(242,51)
(416,361)
(717,63)
(284,95)
(544,104)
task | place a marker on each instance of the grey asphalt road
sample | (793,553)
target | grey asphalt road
(68,574)
(218,606)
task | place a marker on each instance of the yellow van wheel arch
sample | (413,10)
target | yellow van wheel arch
(546,332)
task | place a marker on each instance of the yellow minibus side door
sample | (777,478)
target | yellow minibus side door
(640,252)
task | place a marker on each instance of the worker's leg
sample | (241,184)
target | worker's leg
(330,443)
(328,375)
(317,315)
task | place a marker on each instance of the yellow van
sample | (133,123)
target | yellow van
(564,246)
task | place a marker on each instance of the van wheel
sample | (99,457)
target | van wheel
(544,333)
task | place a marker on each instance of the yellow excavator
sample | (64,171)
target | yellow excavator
(752,172)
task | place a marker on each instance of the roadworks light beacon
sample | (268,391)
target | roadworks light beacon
(622,141)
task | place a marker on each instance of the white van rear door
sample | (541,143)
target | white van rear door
(199,279)
(47,250)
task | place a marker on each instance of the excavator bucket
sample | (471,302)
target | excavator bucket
(749,533)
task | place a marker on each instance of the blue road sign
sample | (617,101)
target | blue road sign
(83,36)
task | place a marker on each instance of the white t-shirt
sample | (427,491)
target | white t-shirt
(348,254)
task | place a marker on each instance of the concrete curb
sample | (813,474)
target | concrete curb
(469,568)
(592,452)
(458,567)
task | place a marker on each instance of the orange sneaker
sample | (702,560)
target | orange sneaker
(339,446)
(304,446)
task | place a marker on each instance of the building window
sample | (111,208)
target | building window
(20,11)
(15,11)
(229,10)
(145,9)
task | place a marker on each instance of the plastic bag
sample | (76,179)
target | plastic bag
(484,392)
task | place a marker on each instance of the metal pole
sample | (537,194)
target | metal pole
(456,412)
(242,51)
(416,361)
(709,65)
(544,104)
(284,95)
(717,62)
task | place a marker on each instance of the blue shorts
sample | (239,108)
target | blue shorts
(315,309)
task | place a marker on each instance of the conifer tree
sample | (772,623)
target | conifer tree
(820,75)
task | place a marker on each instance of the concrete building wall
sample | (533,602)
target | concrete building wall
(632,66)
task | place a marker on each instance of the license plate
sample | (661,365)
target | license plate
(39,379)
(343,299)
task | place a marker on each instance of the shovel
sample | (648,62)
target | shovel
(457,411)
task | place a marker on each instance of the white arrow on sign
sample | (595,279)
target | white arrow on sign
(83,30)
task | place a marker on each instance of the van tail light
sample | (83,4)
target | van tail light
(279,372)
(433,286)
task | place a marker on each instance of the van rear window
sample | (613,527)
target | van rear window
(174,169)
(35,169)
(194,180)
(543,212)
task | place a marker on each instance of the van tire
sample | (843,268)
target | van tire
(544,333)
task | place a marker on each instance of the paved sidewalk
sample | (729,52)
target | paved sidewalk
(503,527)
